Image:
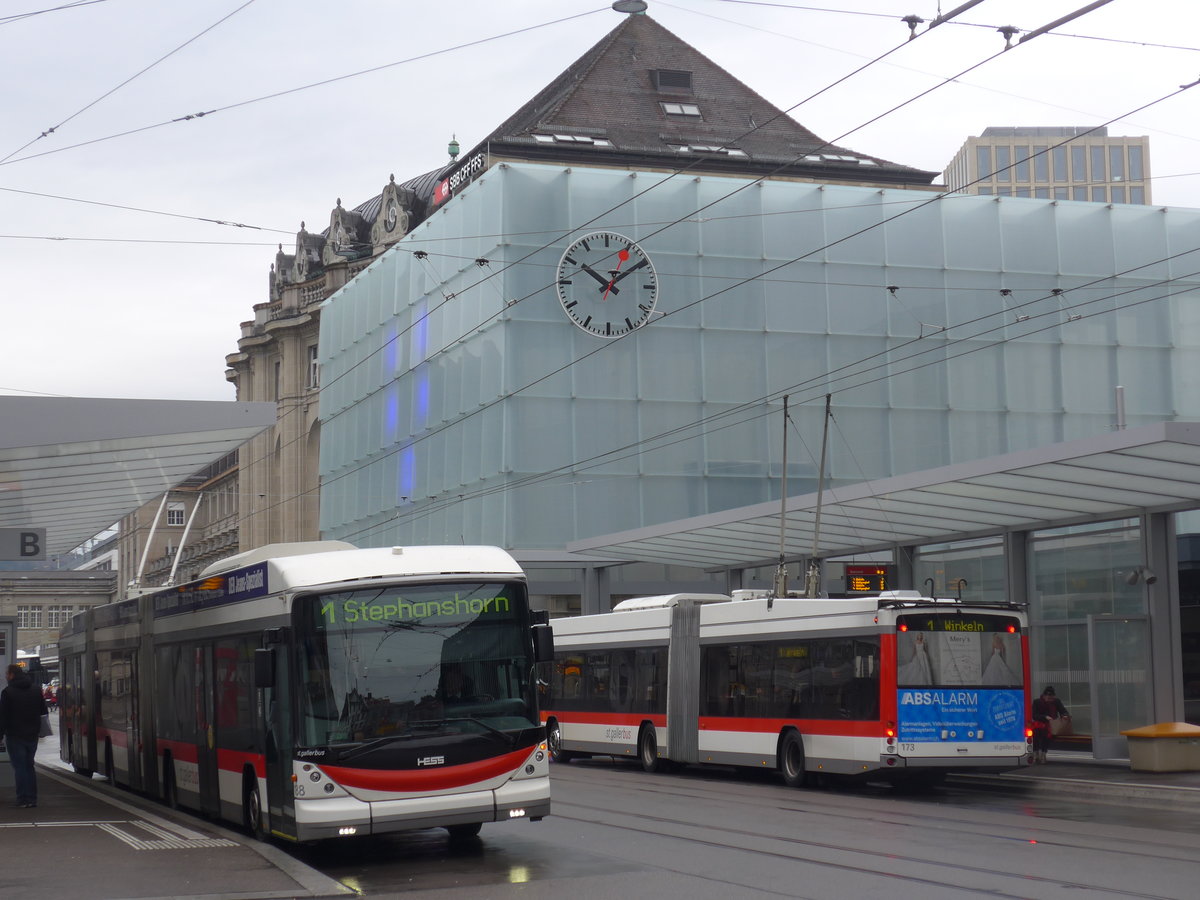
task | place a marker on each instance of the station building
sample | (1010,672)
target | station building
(481,384)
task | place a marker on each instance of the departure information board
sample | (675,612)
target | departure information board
(870,579)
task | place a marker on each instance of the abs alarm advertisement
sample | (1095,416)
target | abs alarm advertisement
(960,716)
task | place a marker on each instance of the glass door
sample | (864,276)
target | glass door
(1120,681)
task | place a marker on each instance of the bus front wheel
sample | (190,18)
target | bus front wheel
(554,742)
(791,760)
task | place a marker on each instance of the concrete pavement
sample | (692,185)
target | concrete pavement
(87,839)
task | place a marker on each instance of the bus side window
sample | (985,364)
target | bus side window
(597,682)
(714,680)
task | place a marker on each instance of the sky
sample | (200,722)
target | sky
(136,235)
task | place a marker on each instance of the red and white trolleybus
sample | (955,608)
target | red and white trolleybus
(896,686)
(314,690)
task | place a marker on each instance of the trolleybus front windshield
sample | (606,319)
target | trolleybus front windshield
(413,661)
(960,678)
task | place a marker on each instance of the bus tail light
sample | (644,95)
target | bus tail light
(890,732)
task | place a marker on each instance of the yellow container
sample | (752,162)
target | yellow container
(1165,747)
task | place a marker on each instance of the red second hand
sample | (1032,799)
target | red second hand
(622,255)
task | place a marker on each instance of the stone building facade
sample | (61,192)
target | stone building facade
(276,360)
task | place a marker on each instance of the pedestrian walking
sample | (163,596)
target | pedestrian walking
(21,709)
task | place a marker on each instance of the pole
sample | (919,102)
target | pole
(812,583)
(780,589)
(137,579)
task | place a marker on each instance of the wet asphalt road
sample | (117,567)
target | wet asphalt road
(709,832)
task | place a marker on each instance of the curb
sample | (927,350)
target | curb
(1153,795)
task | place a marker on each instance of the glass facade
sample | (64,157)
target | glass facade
(462,405)
(1090,625)
(973,570)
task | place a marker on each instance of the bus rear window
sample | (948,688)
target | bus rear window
(951,650)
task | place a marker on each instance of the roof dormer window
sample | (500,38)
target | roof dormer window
(572,139)
(671,80)
(680,109)
(707,148)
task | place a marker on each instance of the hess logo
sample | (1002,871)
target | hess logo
(431,761)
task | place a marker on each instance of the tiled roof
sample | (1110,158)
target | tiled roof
(643,96)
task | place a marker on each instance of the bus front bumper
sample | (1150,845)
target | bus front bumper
(318,819)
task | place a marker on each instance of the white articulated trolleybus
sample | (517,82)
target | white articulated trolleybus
(313,690)
(898,686)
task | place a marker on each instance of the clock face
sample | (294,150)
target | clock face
(607,284)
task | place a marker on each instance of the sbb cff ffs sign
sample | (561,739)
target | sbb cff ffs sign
(22,543)
(871,579)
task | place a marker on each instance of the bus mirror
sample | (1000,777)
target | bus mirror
(539,616)
(543,643)
(264,668)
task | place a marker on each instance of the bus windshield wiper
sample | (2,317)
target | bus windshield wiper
(511,739)
(373,743)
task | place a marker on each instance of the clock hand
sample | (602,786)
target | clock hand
(622,256)
(629,271)
(600,278)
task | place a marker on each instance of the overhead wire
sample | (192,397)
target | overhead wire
(947,19)
(16,17)
(958,22)
(295,90)
(54,128)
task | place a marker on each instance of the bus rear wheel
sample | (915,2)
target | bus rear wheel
(791,760)
(252,810)
(648,749)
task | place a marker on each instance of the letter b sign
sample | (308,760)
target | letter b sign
(22,543)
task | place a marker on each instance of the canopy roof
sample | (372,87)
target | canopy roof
(1151,468)
(75,466)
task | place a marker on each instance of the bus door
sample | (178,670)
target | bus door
(132,731)
(206,747)
(79,734)
(279,743)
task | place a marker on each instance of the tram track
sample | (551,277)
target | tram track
(882,862)
(911,869)
(826,802)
